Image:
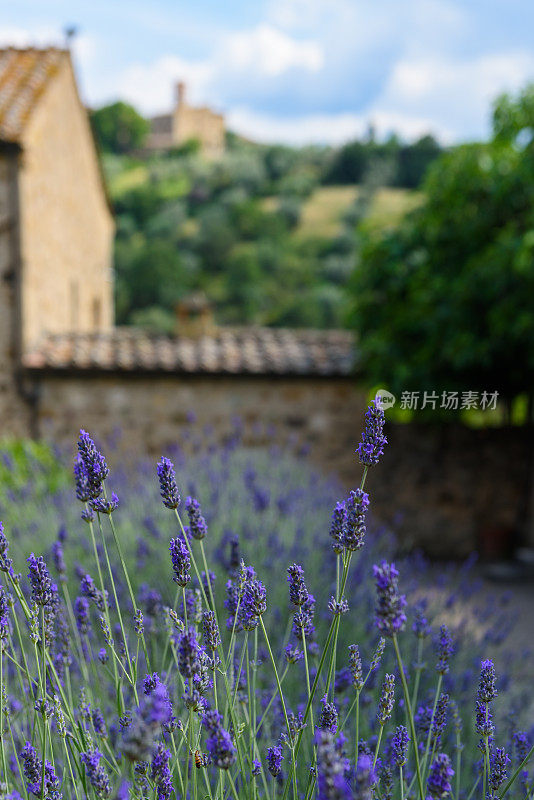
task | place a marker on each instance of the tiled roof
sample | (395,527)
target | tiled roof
(24,74)
(227,351)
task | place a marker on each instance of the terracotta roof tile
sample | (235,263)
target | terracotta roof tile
(230,351)
(24,75)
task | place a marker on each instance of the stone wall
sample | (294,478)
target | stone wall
(449,490)
(66,225)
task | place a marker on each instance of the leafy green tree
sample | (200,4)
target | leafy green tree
(119,128)
(444,301)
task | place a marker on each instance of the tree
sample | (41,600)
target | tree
(119,128)
(444,301)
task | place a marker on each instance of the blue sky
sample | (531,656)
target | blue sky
(298,70)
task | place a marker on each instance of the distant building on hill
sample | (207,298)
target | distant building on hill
(186,123)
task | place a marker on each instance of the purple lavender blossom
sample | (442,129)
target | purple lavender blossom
(387,699)
(181,561)
(5,626)
(81,481)
(274,760)
(160,772)
(103,505)
(338,606)
(486,688)
(303,620)
(95,465)
(293,653)
(439,778)
(167,483)
(253,604)
(42,587)
(81,614)
(328,719)
(400,746)
(219,742)
(499,762)
(377,655)
(337,527)
(33,772)
(153,713)
(103,655)
(364,779)
(210,631)
(373,440)
(484,724)
(420,625)
(6,564)
(389,614)
(355,666)
(445,650)
(99,723)
(298,593)
(98,777)
(59,561)
(188,654)
(440,719)
(88,589)
(331,768)
(356,508)
(197,523)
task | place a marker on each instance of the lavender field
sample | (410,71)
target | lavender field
(228,623)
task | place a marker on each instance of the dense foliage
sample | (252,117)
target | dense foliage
(118,128)
(232,228)
(126,671)
(444,300)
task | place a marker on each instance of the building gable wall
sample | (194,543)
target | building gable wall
(66,225)
(14,411)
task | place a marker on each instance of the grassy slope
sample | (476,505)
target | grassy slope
(323,212)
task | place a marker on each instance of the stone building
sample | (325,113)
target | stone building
(186,123)
(56,229)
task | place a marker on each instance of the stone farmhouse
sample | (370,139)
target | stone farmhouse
(186,123)
(64,365)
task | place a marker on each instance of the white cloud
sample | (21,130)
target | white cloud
(455,95)
(261,54)
(269,52)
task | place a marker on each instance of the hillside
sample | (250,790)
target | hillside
(256,232)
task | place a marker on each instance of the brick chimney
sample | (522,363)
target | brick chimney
(194,317)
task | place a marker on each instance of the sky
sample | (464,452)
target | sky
(297,71)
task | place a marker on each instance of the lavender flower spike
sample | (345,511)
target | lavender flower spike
(389,613)
(439,779)
(486,688)
(94,463)
(42,586)
(197,523)
(274,760)
(400,745)
(356,508)
(181,561)
(167,483)
(373,440)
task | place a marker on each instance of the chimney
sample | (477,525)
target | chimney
(194,317)
(180,93)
